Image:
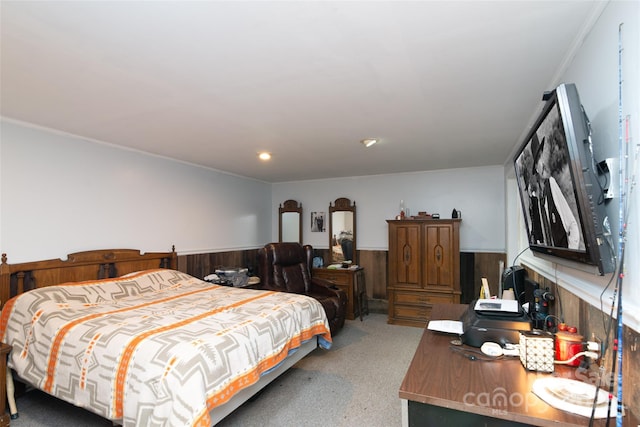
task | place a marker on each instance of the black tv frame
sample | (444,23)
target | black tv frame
(564,124)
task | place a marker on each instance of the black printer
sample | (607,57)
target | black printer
(491,320)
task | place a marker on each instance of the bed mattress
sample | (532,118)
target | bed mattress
(157,347)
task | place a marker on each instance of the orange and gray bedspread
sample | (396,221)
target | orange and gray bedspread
(157,347)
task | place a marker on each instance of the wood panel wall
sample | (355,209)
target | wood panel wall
(201,265)
(375,270)
(375,273)
(474,266)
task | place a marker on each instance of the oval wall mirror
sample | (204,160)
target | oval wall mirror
(290,222)
(342,231)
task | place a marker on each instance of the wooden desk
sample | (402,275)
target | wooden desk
(444,388)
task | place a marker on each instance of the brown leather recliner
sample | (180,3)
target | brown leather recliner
(286,267)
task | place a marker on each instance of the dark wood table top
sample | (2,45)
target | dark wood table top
(501,389)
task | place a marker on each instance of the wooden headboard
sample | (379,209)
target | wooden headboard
(80,266)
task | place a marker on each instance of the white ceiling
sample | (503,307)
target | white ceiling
(444,84)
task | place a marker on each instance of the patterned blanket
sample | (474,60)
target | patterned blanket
(158,347)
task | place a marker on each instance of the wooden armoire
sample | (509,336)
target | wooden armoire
(424,268)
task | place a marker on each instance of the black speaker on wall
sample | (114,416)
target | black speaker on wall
(514,278)
(467,278)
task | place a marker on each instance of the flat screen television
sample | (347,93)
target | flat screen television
(560,191)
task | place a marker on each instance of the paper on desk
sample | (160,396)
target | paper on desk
(448,326)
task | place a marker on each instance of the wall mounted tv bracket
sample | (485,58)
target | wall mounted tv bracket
(608,189)
(603,168)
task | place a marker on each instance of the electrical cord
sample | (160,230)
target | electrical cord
(604,316)
(513,278)
(474,354)
(558,297)
(518,256)
(589,354)
(551,316)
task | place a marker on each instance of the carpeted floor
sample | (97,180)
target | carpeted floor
(355,383)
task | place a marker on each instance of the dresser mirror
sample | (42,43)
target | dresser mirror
(290,222)
(342,231)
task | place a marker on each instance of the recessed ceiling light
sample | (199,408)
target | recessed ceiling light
(264,155)
(369,142)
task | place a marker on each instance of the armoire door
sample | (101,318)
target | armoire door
(404,247)
(439,263)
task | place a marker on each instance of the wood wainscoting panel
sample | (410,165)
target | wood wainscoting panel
(375,272)
(476,265)
(201,265)
(473,266)
(487,264)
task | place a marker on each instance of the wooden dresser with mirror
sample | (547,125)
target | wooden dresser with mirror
(342,266)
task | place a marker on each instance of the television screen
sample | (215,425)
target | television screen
(560,191)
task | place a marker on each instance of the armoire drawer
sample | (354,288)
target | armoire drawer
(337,277)
(413,313)
(421,298)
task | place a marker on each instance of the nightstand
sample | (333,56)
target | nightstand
(351,281)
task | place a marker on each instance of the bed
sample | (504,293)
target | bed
(129,337)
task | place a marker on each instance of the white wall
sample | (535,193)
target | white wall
(61,194)
(594,69)
(477,192)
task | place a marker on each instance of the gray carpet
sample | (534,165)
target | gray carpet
(355,383)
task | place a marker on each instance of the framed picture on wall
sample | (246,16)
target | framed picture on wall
(317,222)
